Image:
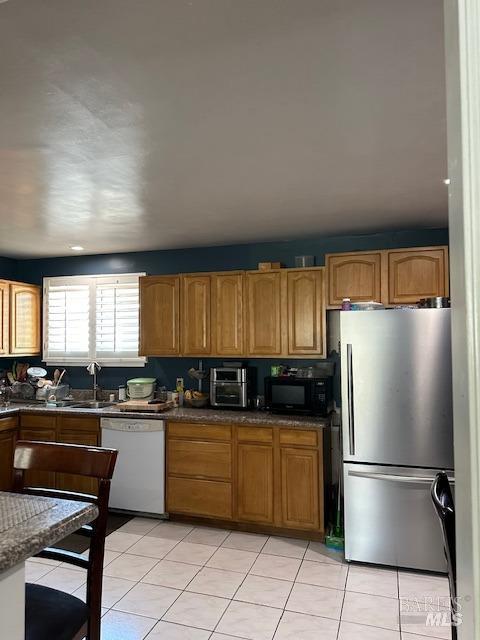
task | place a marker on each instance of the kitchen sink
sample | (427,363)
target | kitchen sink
(92,404)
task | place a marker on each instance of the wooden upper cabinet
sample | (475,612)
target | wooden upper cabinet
(227,306)
(24,319)
(196,315)
(306,317)
(357,276)
(159,315)
(4,316)
(264,330)
(417,273)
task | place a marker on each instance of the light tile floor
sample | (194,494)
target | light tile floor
(169,581)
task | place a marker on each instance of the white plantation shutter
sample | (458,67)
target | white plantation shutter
(117,308)
(92,318)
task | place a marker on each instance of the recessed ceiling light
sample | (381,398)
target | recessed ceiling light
(76,247)
(446,181)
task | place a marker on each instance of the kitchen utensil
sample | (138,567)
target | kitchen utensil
(22,390)
(435,302)
(36,372)
(198,374)
(367,306)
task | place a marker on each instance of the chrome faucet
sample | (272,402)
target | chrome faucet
(93,369)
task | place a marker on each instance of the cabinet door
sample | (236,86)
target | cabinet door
(39,478)
(306,313)
(7,447)
(417,273)
(4,317)
(354,275)
(264,313)
(196,315)
(300,488)
(69,481)
(255,483)
(227,299)
(160,315)
(24,319)
(198,497)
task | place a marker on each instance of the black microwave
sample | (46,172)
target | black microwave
(309,396)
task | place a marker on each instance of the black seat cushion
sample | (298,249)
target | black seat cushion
(51,614)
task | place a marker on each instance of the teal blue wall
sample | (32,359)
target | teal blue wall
(203,259)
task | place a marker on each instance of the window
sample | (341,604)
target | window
(89,318)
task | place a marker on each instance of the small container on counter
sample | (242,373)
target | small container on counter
(346,304)
(111,397)
(162,394)
(122,393)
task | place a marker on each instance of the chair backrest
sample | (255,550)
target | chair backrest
(445,508)
(94,462)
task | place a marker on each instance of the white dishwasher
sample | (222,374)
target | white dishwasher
(138,483)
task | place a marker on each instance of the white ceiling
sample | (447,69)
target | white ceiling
(144,124)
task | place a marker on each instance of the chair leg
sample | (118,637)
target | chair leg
(94,626)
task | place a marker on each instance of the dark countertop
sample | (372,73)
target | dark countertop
(181,414)
(28,524)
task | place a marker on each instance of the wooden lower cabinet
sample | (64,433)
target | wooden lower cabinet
(48,427)
(200,459)
(69,481)
(257,476)
(300,504)
(194,496)
(39,434)
(255,483)
(199,470)
(8,437)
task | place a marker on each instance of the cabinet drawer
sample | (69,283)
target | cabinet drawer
(79,423)
(299,437)
(255,434)
(199,497)
(200,431)
(197,458)
(8,424)
(36,420)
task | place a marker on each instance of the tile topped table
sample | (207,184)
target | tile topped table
(28,524)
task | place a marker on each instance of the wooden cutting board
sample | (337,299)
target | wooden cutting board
(142,405)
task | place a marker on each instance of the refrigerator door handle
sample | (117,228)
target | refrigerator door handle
(351,415)
(395,478)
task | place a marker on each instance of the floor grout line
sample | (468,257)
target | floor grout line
(229,600)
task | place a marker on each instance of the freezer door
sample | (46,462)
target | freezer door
(390,518)
(397,387)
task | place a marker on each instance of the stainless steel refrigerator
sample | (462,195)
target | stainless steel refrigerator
(397,429)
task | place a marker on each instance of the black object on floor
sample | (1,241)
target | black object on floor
(78,543)
(445,508)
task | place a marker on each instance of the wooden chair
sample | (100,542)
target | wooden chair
(51,614)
